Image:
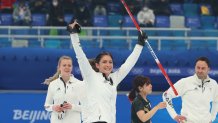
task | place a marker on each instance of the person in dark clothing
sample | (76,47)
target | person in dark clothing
(214,4)
(82,15)
(160,7)
(56,14)
(141,111)
(70,6)
(38,6)
(22,14)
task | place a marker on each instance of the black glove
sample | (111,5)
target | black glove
(141,38)
(75,29)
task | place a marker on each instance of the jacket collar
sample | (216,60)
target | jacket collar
(199,81)
(71,80)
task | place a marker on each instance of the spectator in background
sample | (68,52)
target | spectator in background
(134,6)
(69,6)
(214,4)
(22,14)
(82,15)
(176,1)
(99,2)
(197,1)
(205,10)
(6,6)
(146,17)
(99,7)
(160,7)
(56,14)
(38,6)
(100,10)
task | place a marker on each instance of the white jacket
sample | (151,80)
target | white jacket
(101,101)
(72,92)
(145,16)
(196,99)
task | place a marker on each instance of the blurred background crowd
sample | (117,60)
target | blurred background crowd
(85,10)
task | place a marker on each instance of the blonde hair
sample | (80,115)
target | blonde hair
(56,75)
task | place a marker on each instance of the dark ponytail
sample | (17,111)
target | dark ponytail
(92,63)
(132,95)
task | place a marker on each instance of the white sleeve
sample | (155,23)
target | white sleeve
(129,63)
(83,62)
(152,16)
(214,108)
(49,99)
(82,89)
(168,99)
(76,107)
(169,95)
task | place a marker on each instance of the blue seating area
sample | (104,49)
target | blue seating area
(52,43)
(100,21)
(5,42)
(68,17)
(193,22)
(190,9)
(208,22)
(6,19)
(38,19)
(113,8)
(34,43)
(162,21)
(176,9)
(193,13)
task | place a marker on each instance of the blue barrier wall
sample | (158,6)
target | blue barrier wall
(27,68)
(28,108)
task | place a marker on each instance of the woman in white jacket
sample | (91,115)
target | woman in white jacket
(64,94)
(100,105)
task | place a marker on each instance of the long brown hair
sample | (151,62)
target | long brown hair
(56,75)
(99,57)
(92,63)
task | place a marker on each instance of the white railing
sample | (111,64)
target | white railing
(7,32)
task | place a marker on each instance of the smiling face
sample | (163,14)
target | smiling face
(105,65)
(202,69)
(65,67)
